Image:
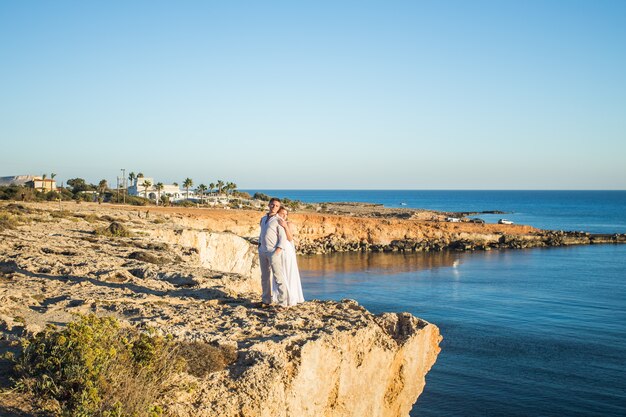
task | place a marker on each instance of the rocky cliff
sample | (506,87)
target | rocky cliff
(422,231)
(197,278)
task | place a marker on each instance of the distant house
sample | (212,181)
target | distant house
(31,181)
(173,192)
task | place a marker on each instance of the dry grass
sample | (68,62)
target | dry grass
(202,359)
(115,229)
(8,221)
(62,214)
(148,257)
(89,218)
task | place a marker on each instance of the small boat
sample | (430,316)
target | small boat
(504,221)
(403,204)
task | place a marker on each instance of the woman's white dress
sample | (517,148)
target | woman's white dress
(292,275)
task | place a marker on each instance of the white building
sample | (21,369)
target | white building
(173,192)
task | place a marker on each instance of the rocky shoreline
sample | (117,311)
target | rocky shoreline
(334,243)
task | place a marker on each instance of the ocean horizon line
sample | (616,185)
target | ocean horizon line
(431,189)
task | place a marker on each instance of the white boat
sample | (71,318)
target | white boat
(403,204)
(504,221)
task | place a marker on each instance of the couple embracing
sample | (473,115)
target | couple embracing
(280,278)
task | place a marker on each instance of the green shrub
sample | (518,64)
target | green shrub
(242,194)
(185,203)
(235,203)
(137,201)
(96,368)
(51,196)
(18,192)
(261,196)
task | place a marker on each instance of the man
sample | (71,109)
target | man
(271,244)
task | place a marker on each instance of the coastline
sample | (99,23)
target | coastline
(193,273)
(362,227)
(172,273)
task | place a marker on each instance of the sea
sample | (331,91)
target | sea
(531,332)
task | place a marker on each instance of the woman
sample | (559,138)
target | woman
(290,264)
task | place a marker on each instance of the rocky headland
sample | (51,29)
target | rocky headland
(194,275)
(367,227)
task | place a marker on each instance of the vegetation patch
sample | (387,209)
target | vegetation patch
(158,246)
(89,218)
(19,209)
(96,368)
(8,221)
(115,229)
(61,214)
(108,218)
(148,257)
(137,201)
(202,358)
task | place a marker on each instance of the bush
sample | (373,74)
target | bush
(235,203)
(115,229)
(18,192)
(52,196)
(137,201)
(261,196)
(202,359)
(66,194)
(185,203)
(8,221)
(96,368)
(292,205)
(61,214)
(84,196)
(242,194)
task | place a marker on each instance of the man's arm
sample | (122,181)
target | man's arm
(282,237)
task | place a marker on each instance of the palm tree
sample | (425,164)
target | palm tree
(202,188)
(220,185)
(187,183)
(211,187)
(159,187)
(146,184)
(232,187)
(43,182)
(102,186)
(131,177)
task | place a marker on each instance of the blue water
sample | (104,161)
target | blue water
(526,333)
(592,211)
(535,332)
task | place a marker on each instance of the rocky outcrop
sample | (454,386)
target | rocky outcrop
(217,251)
(355,365)
(320,358)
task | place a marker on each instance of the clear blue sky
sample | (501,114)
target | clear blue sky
(338,94)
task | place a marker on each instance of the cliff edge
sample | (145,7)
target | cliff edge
(174,274)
